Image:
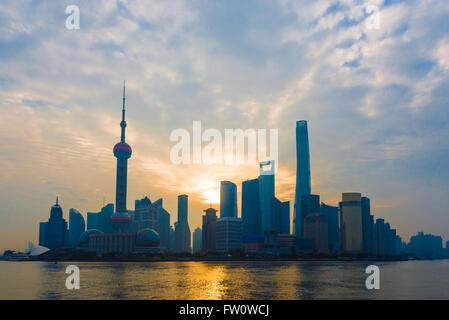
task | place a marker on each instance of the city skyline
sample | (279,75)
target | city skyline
(386,138)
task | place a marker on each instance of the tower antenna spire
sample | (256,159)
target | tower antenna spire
(123,123)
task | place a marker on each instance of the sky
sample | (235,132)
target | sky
(376,101)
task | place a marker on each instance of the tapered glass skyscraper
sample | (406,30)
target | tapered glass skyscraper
(302,171)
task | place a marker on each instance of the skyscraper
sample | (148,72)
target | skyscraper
(251,215)
(302,171)
(182,230)
(209,230)
(367,228)
(229,234)
(285,218)
(310,203)
(163,225)
(351,234)
(331,213)
(266,195)
(316,227)
(146,215)
(197,240)
(228,199)
(77,226)
(122,151)
(380,237)
(55,234)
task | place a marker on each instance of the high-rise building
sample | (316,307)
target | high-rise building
(229,234)
(54,232)
(122,151)
(310,203)
(331,213)
(163,225)
(77,226)
(209,230)
(42,226)
(146,215)
(367,228)
(388,240)
(316,228)
(197,240)
(285,218)
(93,221)
(351,234)
(182,230)
(101,220)
(425,246)
(302,171)
(380,237)
(228,199)
(251,215)
(266,195)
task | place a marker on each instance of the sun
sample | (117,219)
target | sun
(211,196)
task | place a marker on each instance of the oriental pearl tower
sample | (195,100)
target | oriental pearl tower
(122,151)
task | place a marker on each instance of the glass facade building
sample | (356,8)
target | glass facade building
(251,214)
(351,234)
(302,171)
(77,226)
(229,234)
(228,199)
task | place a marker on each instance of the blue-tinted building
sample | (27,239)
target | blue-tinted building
(228,199)
(310,203)
(77,226)
(367,226)
(285,218)
(302,172)
(331,213)
(55,234)
(182,230)
(229,234)
(163,225)
(266,194)
(380,237)
(197,240)
(251,214)
(351,233)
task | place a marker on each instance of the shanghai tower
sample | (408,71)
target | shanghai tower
(122,151)
(302,171)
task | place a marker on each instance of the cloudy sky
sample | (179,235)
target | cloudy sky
(376,101)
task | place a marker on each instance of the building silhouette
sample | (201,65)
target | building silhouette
(302,171)
(266,195)
(229,234)
(351,234)
(209,230)
(101,220)
(380,237)
(331,213)
(54,233)
(310,203)
(77,227)
(197,240)
(182,230)
(228,199)
(316,227)
(251,214)
(425,246)
(261,210)
(163,225)
(146,215)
